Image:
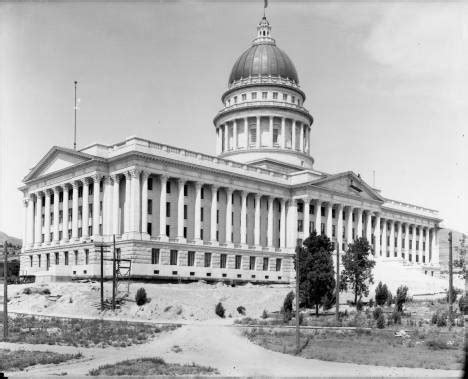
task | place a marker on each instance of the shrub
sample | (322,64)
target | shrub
(288,302)
(381,321)
(264,314)
(219,310)
(437,345)
(396,317)
(140,297)
(45,291)
(401,297)
(439,318)
(455,293)
(371,303)
(301,318)
(241,310)
(381,294)
(359,306)
(377,313)
(389,299)
(27,291)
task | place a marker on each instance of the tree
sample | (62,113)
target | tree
(357,273)
(381,294)
(401,297)
(316,273)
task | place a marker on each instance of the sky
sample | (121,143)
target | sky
(386,83)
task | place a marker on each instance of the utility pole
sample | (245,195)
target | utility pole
(298,248)
(102,277)
(5,291)
(113,274)
(74,134)
(337,281)
(450,280)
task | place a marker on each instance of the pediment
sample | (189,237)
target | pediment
(57,159)
(348,183)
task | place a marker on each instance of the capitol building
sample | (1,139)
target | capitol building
(236,216)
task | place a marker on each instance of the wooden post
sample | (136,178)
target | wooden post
(450,281)
(297,299)
(5,292)
(337,282)
(102,277)
(113,275)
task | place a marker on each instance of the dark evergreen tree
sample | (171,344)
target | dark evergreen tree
(357,273)
(316,274)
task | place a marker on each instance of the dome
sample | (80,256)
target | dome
(263,60)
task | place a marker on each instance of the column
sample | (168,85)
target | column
(75,186)
(243,224)
(318,216)
(392,238)
(258,144)
(257,220)
(359,223)
(127,206)
(349,225)
(30,220)
(420,250)
(180,209)
(25,224)
(307,230)
(292,224)
(66,190)
(271,131)
(214,208)
(339,225)
(426,250)
(369,226)
(38,228)
(226,137)
(407,241)
(270,222)
(107,207)
(301,142)
(228,215)
(283,133)
(162,207)
(47,217)
(144,203)
(433,246)
(377,235)
(293,139)
(329,221)
(85,204)
(247,134)
(234,135)
(115,203)
(196,233)
(384,238)
(96,182)
(218,144)
(413,243)
(283,223)
(399,237)
(136,215)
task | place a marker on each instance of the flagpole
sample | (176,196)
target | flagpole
(74,135)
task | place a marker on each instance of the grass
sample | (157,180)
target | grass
(151,366)
(425,348)
(78,332)
(20,359)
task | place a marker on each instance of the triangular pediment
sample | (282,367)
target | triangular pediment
(348,183)
(57,159)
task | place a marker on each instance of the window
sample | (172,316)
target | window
(86,257)
(207,259)
(235,99)
(168,230)
(70,213)
(278,264)
(80,232)
(293,99)
(168,209)
(90,189)
(80,191)
(191,258)
(154,256)
(60,197)
(217,216)
(185,189)
(201,234)
(30,261)
(150,206)
(300,207)
(222,261)
(149,228)
(60,216)
(60,235)
(265,263)
(173,257)
(285,96)
(76,257)
(39,260)
(202,193)
(252,135)
(300,225)
(322,228)
(275,95)
(244,97)
(417,245)
(333,230)
(57,259)
(322,211)
(264,95)
(312,209)
(238,262)
(201,214)
(66,258)
(168,187)
(185,211)
(70,195)
(275,135)
(254,95)
(90,230)
(150,184)
(185,232)
(252,263)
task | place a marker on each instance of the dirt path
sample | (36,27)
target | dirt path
(217,346)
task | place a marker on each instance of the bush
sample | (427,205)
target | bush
(301,318)
(381,321)
(219,310)
(371,303)
(401,297)
(381,294)
(264,314)
(455,293)
(27,291)
(288,302)
(396,317)
(45,291)
(389,299)
(359,306)
(241,310)
(377,313)
(439,318)
(140,297)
